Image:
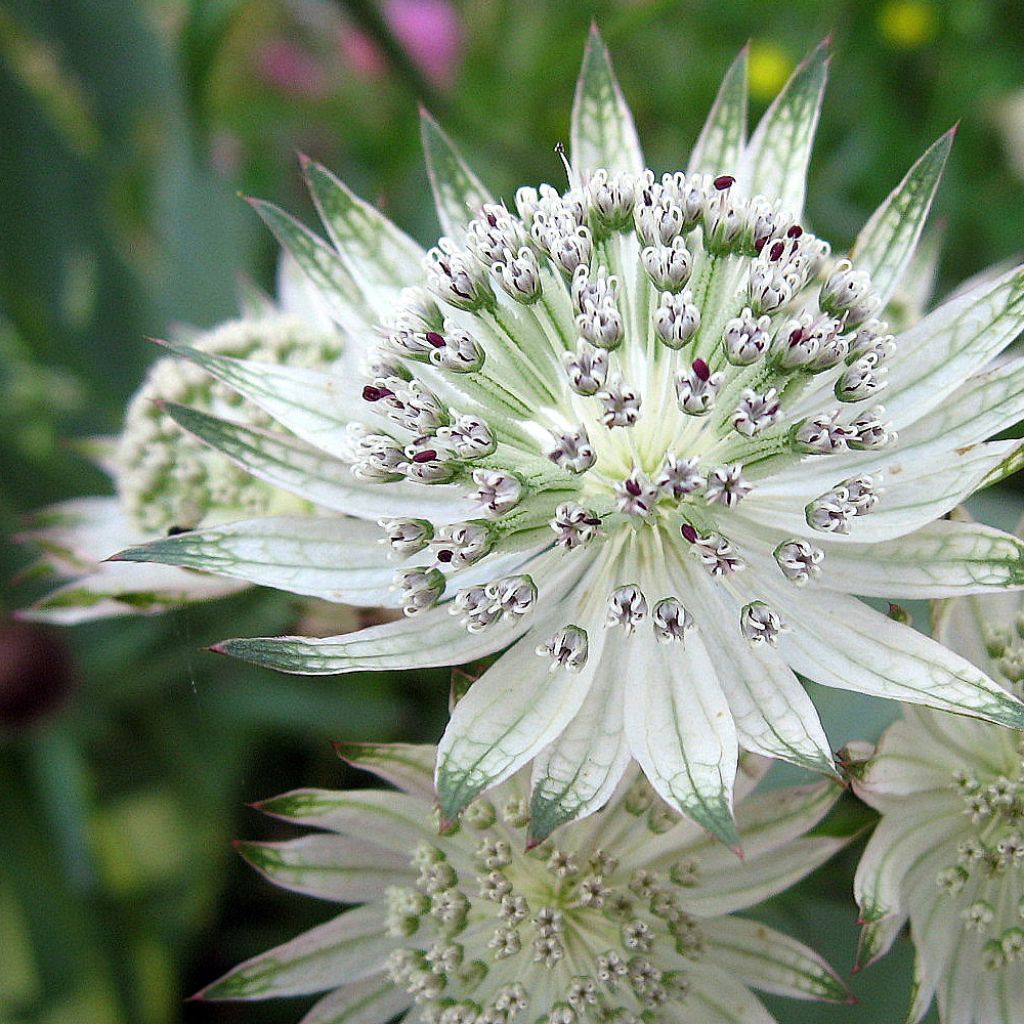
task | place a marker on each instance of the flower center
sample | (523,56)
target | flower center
(572,935)
(634,352)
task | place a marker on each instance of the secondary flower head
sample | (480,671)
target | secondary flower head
(650,436)
(949,851)
(625,919)
(167,480)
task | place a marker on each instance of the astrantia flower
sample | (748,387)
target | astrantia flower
(167,480)
(949,851)
(648,435)
(625,919)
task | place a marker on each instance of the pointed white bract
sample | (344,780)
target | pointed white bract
(625,918)
(661,401)
(948,853)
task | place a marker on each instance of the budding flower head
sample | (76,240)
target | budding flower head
(483,924)
(664,383)
(952,803)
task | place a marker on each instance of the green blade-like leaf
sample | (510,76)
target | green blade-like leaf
(886,244)
(458,193)
(780,149)
(719,148)
(602,132)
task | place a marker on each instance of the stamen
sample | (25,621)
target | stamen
(573,451)
(697,388)
(468,436)
(746,338)
(574,525)
(671,621)
(760,624)
(799,560)
(421,588)
(587,369)
(714,551)
(676,319)
(726,486)
(462,544)
(567,649)
(627,607)
(636,494)
(756,412)
(496,492)
(621,404)
(678,477)
(406,536)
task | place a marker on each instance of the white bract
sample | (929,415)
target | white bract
(948,853)
(662,402)
(626,919)
(167,480)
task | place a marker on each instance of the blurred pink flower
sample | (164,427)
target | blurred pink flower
(429,30)
(289,68)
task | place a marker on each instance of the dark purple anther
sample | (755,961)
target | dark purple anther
(372,393)
(491,219)
(795,231)
(435,339)
(592,521)
(760,244)
(444,555)
(777,250)
(724,181)
(795,337)
(425,456)
(702,369)
(689,533)
(633,487)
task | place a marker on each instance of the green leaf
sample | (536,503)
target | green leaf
(886,244)
(602,132)
(719,149)
(780,149)
(458,193)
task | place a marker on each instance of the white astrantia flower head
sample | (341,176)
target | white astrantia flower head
(169,481)
(948,853)
(664,385)
(626,918)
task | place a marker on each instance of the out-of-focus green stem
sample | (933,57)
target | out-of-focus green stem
(367,16)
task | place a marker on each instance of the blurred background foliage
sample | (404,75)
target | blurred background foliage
(129,126)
